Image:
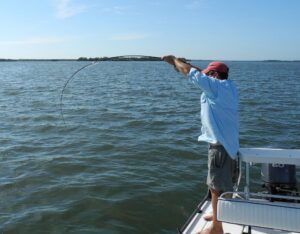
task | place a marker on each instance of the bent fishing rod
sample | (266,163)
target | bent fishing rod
(65,85)
(115,58)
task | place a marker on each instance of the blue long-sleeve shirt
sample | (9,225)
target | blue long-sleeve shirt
(219,111)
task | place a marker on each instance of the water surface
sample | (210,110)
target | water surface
(127,158)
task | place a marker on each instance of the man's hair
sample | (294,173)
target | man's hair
(222,75)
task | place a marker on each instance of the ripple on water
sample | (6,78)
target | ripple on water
(127,158)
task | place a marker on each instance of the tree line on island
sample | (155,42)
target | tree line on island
(122,58)
(126,58)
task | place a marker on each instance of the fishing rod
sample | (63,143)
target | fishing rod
(65,85)
(115,58)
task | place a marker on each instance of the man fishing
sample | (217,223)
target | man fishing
(220,128)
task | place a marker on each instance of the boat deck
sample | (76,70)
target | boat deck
(253,213)
(198,224)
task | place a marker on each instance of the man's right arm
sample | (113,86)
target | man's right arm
(179,65)
(200,80)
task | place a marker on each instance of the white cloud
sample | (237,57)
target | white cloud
(117,9)
(65,9)
(34,41)
(194,4)
(128,37)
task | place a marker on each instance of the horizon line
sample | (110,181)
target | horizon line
(94,58)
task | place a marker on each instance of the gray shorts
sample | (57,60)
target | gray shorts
(222,169)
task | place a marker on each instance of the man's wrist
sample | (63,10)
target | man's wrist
(175,67)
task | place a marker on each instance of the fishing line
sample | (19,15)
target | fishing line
(115,58)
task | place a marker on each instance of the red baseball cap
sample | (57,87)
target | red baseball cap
(216,66)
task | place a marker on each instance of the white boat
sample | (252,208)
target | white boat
(276,211)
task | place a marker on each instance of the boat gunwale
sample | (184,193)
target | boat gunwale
(207,197)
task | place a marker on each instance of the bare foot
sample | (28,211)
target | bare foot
(208,217)
(211,230)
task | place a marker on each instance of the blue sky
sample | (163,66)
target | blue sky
(196,29)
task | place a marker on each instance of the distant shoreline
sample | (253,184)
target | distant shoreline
(116,58)
(122,58)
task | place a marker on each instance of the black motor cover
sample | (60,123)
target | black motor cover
(279,176)
(279,173)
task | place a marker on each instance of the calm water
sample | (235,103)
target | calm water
(127,160)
